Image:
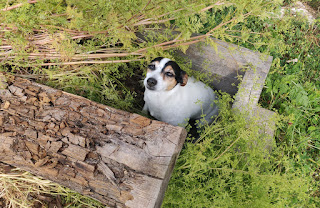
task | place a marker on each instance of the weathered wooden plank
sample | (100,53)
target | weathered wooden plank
(121,159)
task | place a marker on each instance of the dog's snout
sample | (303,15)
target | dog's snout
(152,82)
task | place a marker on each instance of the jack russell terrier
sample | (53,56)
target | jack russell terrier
(172,97)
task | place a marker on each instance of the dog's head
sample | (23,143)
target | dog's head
(164,74)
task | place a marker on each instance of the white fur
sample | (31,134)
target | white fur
(156,74)
(177,105)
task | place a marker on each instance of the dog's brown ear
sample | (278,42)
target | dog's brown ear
(184,78)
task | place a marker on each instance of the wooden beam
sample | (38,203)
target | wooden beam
(119,158)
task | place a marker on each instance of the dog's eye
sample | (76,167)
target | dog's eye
(169,74)
(151,66)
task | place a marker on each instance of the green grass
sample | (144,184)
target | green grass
(229,166)
(243,177)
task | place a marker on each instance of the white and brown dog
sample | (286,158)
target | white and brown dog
(172,97)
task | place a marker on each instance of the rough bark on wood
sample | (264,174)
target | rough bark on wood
(121,159)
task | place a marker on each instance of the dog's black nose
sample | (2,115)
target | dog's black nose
(151,82)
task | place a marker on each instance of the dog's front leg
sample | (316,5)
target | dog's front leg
(145,108)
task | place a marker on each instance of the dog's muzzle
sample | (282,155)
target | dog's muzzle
(151,83)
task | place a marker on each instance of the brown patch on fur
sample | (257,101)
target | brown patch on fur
(185,80)
(171,81)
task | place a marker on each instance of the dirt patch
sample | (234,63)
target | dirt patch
(315,6)
(309,10)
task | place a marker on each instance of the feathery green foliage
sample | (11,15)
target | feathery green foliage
(58,32)
(245,176)
(229,166)
(232,166)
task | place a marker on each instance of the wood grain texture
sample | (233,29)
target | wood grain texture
(119,158)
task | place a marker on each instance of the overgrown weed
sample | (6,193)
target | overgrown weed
(230,166)
(242,177)
(234,165)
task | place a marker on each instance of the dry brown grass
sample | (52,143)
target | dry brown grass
(20,189)
(46,44)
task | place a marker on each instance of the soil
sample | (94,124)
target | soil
(135,85)
(315,5)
